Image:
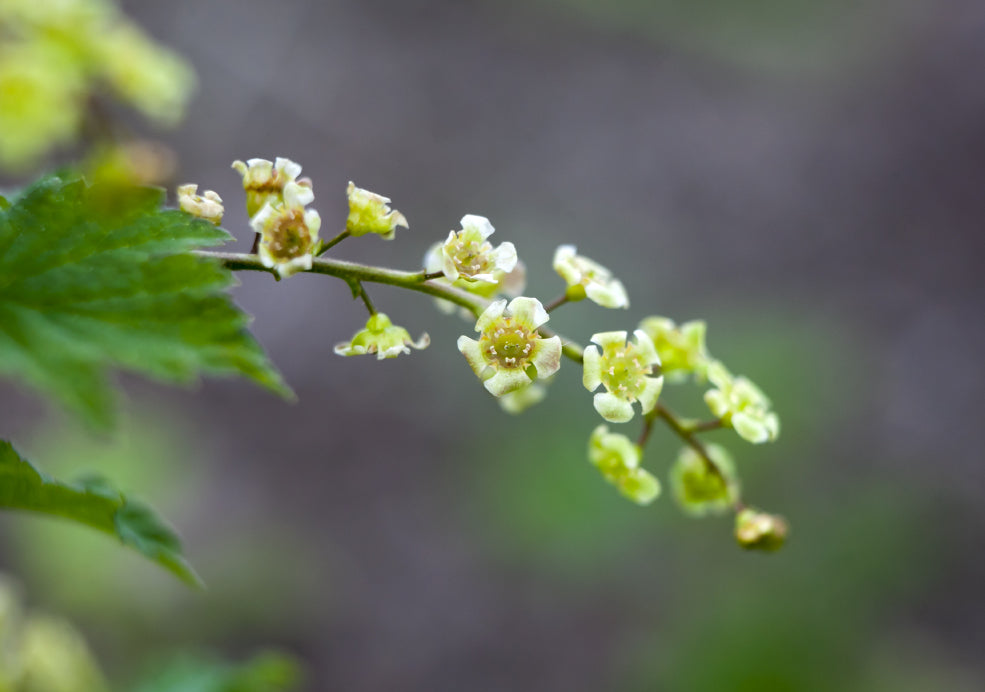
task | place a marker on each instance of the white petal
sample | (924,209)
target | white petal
(592,374)
(612,408)
(610,294)
(749,428)
(528,311)
(478,223)
(651,392)
(504,257)
(505,381)
(604,339)
(290,169)
(546,356)
(490,315)
(644,345)
(298,195)
(717,402)
(473,354)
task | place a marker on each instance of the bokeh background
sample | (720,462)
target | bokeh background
(806,176)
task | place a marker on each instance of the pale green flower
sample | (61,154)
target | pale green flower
(152,78)
(288,231)
(264,181)
(587,277)
(740,404)
(681,347)
(370,213)
(625,370)
(755,530)
(207,206)
(466,254)
(519,400)
(697,488)
(618,460)
(381,337)
(42,92)
(511,284)
(510,353)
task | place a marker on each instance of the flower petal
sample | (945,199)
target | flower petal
(529,312)
(592,368)
(604,339)
(612,408)
(473,354)
(504,257)
(609,294)
(651,392)
(645,347)
(546,356)
(505,381)
(479,224)
(490,315)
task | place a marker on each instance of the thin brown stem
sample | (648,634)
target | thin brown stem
(556,303)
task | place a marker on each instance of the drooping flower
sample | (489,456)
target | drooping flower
(264,181)
(381,337)
(466,254)
(755,530)
(742,405)
(288,231)
(625,370)
(370,213)
(586,277)
(618,459)
(697,488)
(681,348)
(510,353)
(207,206)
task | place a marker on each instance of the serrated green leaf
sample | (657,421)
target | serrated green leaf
(100,277)
(92,501)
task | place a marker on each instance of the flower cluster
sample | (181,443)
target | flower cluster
(618,460)
(514,354)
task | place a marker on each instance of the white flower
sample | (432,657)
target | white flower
(264,181)
(288,231)
(586,277)
(741,404)
(369,213)
(624,369)
(510,344)
(468,255)
(207,206)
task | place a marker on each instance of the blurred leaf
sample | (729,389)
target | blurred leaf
(269,672)
(94,277)
(95,503)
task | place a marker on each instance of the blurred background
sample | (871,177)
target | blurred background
(808,177)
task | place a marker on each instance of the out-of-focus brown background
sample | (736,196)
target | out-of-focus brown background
(809,177)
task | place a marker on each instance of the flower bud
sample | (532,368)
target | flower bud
(755,530)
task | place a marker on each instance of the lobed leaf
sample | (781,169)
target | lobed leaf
(94,277)
(92,501)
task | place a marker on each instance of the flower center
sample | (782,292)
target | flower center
(471,256)
(508,344)
(290,236)
(624,373)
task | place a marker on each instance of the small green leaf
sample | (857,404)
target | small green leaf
(100,277)
(92,501)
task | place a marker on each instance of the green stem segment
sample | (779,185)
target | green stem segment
(333,242)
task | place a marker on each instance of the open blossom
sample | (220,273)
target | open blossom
(207,206)
(625,369)
(370,213)
(381,337)
(509,345)
(586,277)
(288,231)
(468,255)
(697,488)
(618,459)
(681,347)
(264,181)
(742,405)
(510,284)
